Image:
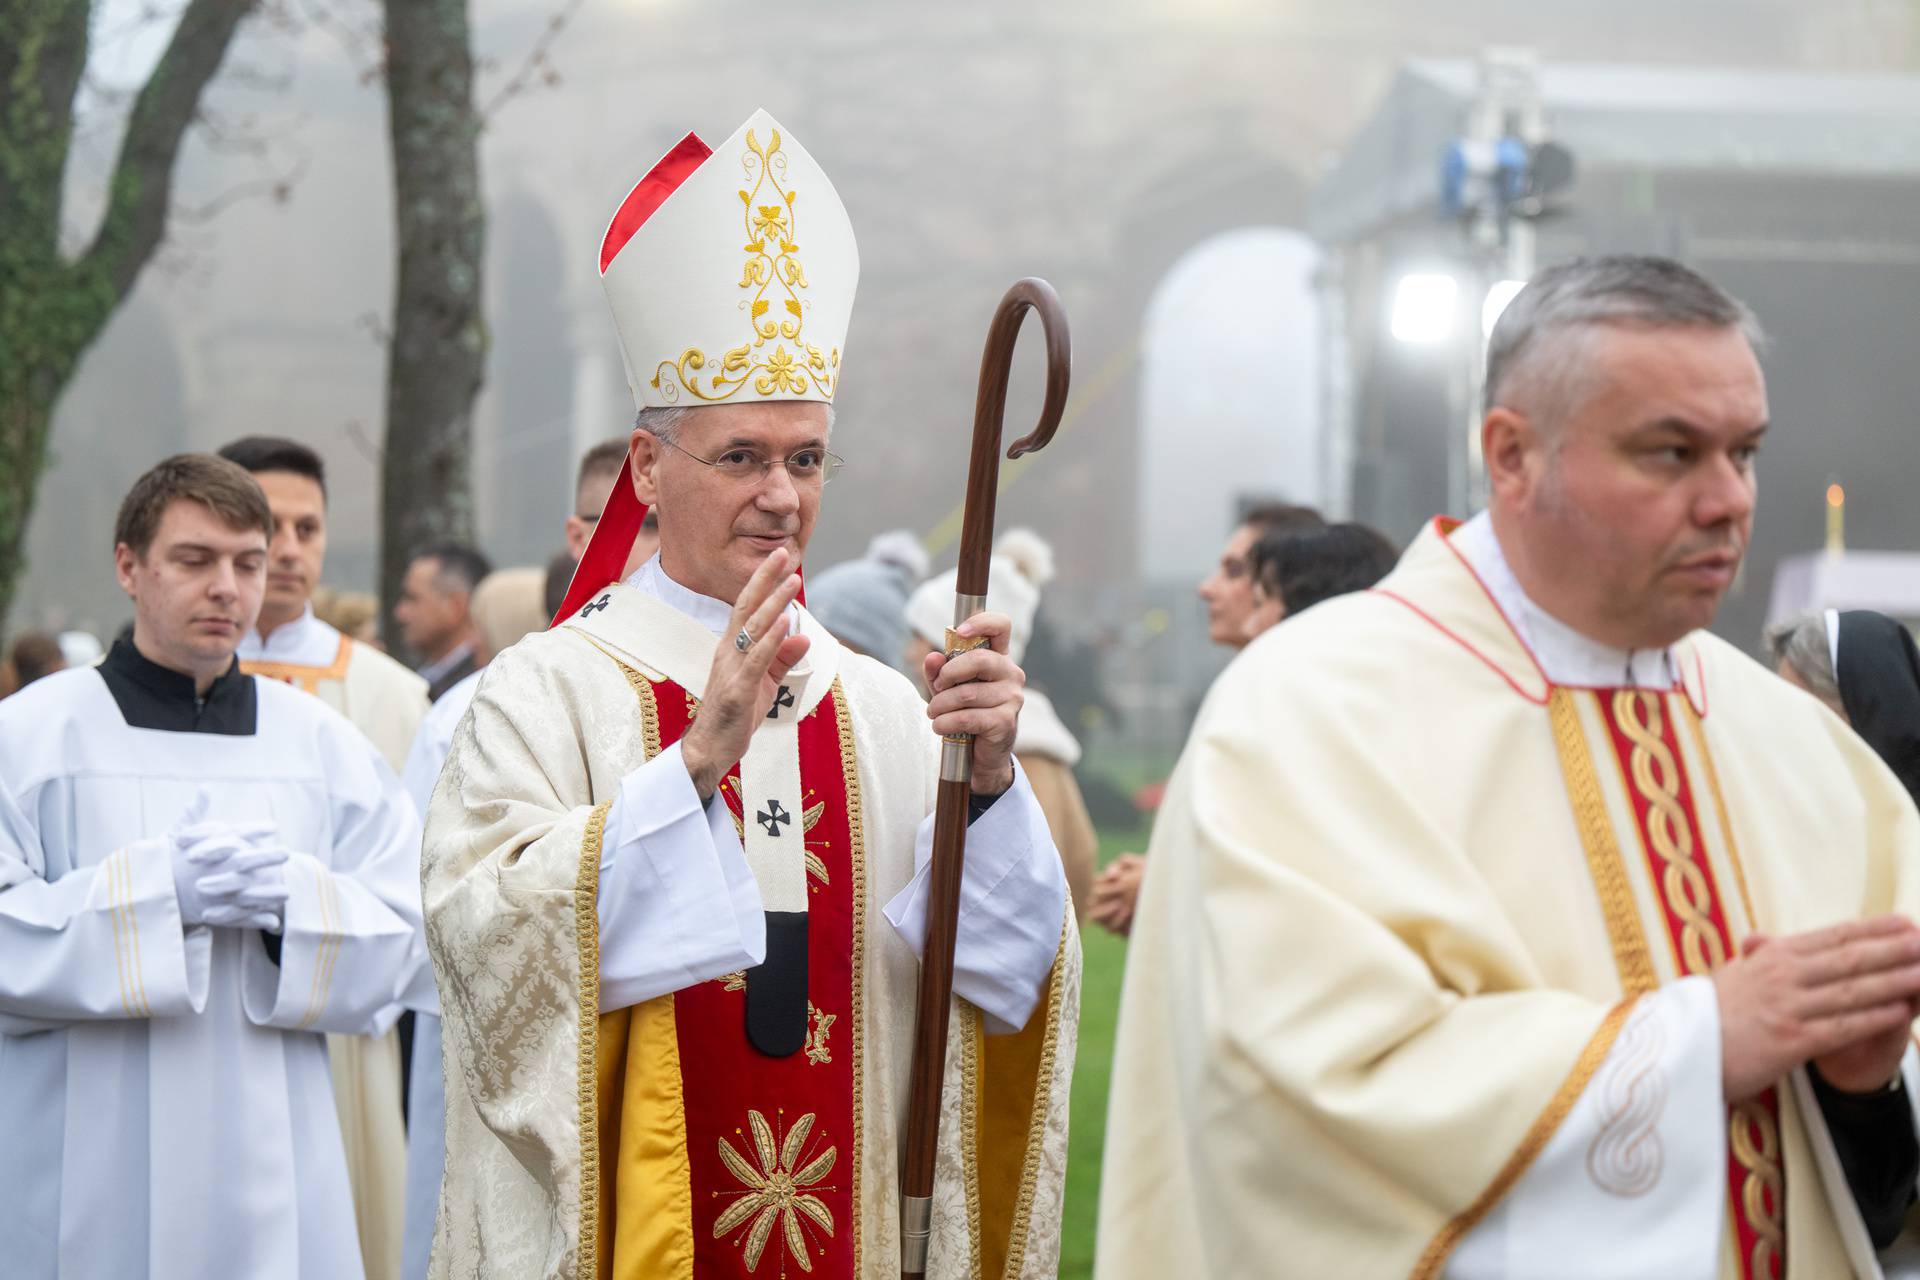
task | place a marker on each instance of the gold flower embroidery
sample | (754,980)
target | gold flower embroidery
(773,258)
(777,1191)
(781,374)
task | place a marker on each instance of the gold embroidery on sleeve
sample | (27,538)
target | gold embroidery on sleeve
(110,870)
(133,930)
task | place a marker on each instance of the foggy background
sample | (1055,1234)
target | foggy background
(1179,171)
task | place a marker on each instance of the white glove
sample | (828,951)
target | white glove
(247,889)
(225,875)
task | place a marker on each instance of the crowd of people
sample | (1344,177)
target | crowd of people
(1499,922)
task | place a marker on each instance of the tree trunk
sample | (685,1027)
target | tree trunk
(437,352)
(51,308)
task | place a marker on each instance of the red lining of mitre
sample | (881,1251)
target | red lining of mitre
(650,193)
(620,519)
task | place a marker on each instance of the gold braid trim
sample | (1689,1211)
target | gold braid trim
(856,1029)
(1688,714)
(113,871)
(1450,1235)
(1630,954)
(1042,1100)
(970,1083)
(306,679)
(586,928)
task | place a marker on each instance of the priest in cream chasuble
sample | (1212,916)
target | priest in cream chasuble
(678,1024)
(1439,962)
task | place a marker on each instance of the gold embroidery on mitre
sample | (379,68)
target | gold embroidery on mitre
(771,222)
(776,1191)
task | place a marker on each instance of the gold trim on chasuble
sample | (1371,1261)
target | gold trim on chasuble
(990,1085)
(1604,863)
(1630,956)
(586,917)
(772,247)
(303,677)
(1449,1237)
(857,852)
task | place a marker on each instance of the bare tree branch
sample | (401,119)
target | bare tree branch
(142,183)
(537,66)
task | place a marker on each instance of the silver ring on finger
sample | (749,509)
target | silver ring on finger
(743,641)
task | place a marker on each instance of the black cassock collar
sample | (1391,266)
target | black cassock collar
(151,696)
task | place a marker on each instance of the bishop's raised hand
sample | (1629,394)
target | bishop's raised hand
(749,662)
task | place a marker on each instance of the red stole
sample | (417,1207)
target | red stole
(1641,731)
(773,1143)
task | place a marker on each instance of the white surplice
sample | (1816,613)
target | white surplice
(164,1092)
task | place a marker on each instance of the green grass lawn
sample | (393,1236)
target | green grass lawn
(1099,1001)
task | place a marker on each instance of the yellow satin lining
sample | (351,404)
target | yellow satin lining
(646,1189)
(1015,1080)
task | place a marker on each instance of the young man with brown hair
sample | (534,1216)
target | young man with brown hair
(200,872)
(385,701)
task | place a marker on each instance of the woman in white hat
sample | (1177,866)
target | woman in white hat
(1045,747)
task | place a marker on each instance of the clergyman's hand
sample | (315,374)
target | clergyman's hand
(1842,997)
(979,692)
(1116,892)
(742,683)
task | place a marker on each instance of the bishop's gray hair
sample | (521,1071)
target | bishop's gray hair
(1534,352)
(664,422)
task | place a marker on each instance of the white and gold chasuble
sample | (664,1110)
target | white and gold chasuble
(1451,1014)
(385,701)
(650,1141)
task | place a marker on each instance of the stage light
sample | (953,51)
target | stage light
(1497,299)
(1423,306)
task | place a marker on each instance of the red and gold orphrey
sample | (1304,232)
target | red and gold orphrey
(772,1143)
(1666,818)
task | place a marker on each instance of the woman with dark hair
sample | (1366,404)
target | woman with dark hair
(1866,667)
(1295,569)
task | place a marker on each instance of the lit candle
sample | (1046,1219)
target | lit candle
(1836,519)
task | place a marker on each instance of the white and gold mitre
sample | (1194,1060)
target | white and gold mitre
(731,273)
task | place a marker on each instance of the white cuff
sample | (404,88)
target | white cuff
(1640,1161)
(678,904)
(1013,902)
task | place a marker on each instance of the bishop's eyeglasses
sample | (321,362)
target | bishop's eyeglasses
(805,467)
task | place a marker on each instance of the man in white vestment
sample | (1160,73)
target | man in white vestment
(385,701)
(673,875)
(201,872)
(1501,922)
(506,607)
